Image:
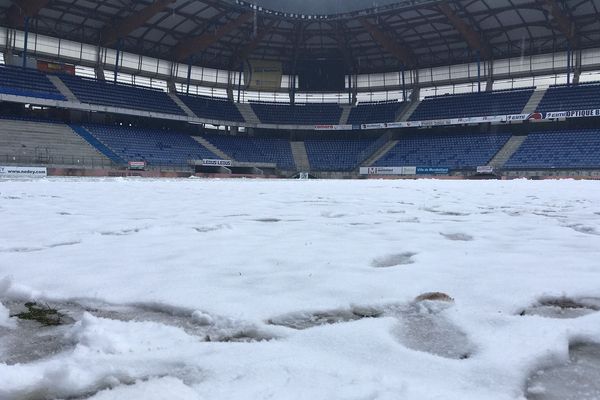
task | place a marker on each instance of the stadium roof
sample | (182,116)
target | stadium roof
(414,33)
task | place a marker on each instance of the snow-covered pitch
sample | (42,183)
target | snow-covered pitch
(209,289)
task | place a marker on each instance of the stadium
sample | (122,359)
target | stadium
(284,199)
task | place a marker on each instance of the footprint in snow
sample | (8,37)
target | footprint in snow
(460,237)
(394,260)
(578,379)
(563,307)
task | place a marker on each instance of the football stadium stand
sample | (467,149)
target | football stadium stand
(558,149)
(27,82)
(483,104)
(256,149)
(94,91)
(375,112)
(447,150)
(335,154)
(212,108)
(299,114)
(156,147)
(571,97)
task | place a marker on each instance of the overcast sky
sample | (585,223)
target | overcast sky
(321,6)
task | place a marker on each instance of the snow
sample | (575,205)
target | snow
(244,289)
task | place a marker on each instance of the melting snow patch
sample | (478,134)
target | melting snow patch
(423,328)
(579,379)
(563,307)
(460,237)
(394,260)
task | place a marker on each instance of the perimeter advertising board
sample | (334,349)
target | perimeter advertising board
(23,172)
(216,163)
(388,170)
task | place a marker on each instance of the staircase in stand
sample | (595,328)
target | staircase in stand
(300,156)
(506,152)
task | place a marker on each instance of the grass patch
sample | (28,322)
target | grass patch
(43,314)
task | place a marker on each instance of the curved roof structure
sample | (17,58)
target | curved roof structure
(411,33)
(321,7)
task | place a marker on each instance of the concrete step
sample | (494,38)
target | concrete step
(62,88)
(534,101)
(507,151)
(212,148)
(188,111)
(346,109)
(408,111)
(248,113)
(383,150)
(300,156)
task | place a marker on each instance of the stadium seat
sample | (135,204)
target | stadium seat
(27,82)
(502,102)
(299,114)
(446,150)
(558,149)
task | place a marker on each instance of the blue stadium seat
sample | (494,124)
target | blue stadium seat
(27,82)
(156,147)
(212,108)
(256,149)
(571,98)
(375,112)
(502,102)
(558,149)
(94,91)
(335,154)
(299,114)
(446,150)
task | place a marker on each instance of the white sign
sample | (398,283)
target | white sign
(487,169)
(216,163)
(388,170)
(23,172)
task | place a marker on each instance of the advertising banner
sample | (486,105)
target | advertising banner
(486,169)
(573,114)
(137,165)
(432,171)
(388,170)
(216,163)
(23,172)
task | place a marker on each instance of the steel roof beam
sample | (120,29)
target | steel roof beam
(472,38)
(24,8)
(202,42)
(121,29)
(565,25)
(249,48)
(402,53)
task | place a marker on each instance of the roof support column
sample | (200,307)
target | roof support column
(25,41)
(489,86)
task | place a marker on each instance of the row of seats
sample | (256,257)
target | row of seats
(299,114)
(155,146)
(256,149)
(567,98)
(559,149)
(211,108)
(375,112)
(482,104)
(106,93)
(335,154)
(444,150)
(27,82)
